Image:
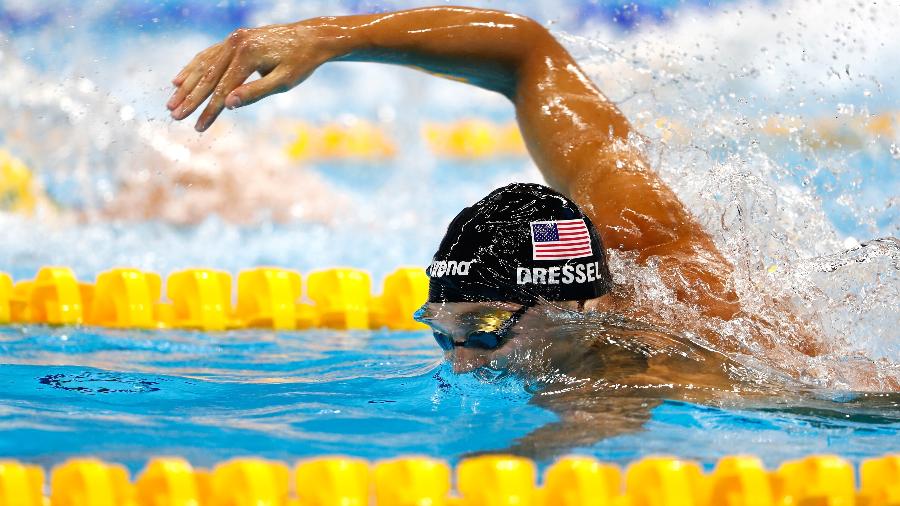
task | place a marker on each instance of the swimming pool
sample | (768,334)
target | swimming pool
(738,144)
(126,396)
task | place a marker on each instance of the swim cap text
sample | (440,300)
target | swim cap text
(566,274)
(449,268)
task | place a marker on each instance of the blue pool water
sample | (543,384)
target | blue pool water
(126,396)
(85,83)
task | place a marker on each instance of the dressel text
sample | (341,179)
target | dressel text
(565,274)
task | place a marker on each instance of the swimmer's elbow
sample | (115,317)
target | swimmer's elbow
(534,47)
(527,30)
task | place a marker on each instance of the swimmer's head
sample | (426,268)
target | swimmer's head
(520,246)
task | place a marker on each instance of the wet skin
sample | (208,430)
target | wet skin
(580,142)
(577,137)
(547,341)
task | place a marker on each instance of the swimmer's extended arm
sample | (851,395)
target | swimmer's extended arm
(578,138)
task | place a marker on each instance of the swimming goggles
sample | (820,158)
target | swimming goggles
(484,338)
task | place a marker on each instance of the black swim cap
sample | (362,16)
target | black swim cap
(521,243)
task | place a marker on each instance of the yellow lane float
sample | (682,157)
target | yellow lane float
(342,297)
(21,484)
(267,297)
(740,480)
(497,479)
(404,292)
(474,139)
(334,481)
(581,481)
(356,140)
(880,481)
(827,480)
(6,293)
(18,191)
(201,299)
(125,298)
(54,297)
(88,481)
(480,481)
(249,481)
(412,481)
(664,481)
(171,481)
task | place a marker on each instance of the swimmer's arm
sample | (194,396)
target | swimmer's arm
(578,138)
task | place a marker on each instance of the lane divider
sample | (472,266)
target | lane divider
(474,139)
(482,138)
(495,480)
(19,191)
(267,297)
(469,139)
(355,140)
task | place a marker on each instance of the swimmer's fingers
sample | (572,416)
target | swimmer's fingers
(280,79)
(199,60)
(236,74)
(188,84)
(206,79)
(190,75)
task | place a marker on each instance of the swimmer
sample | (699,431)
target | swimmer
(520,273)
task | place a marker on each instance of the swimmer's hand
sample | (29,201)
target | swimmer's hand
(284,55)
(482,47)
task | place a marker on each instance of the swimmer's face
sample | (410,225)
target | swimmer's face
(483,334)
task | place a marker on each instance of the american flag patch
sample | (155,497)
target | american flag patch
(560,240)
